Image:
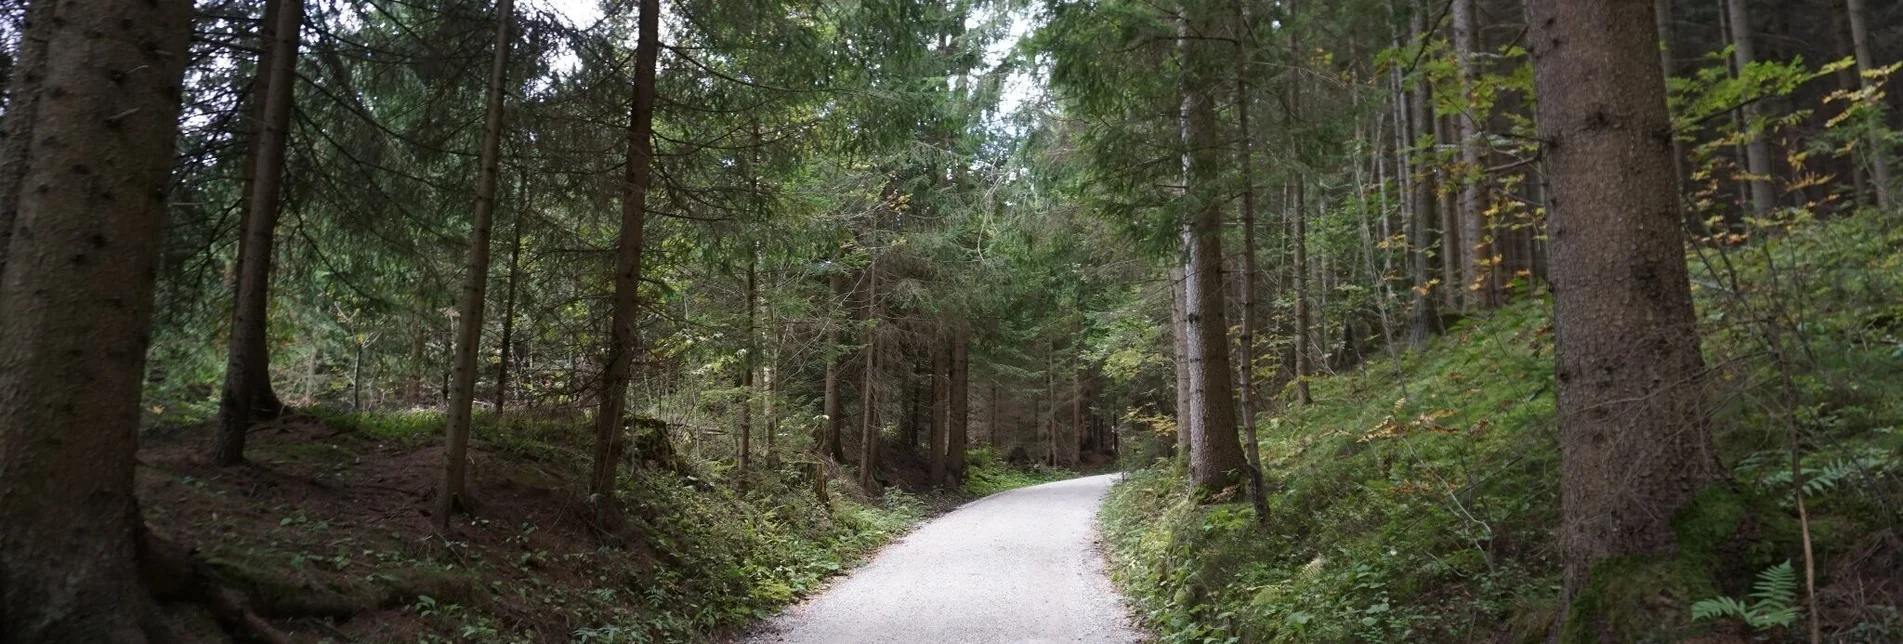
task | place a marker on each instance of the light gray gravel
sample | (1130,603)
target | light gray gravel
(1018,567)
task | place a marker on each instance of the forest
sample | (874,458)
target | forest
(865,320)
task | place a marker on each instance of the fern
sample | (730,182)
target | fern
(1773,601)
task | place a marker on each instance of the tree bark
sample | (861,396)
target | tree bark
(1215,452)
(1252,450)
(936,453)
(623,341)
(835,405)
(868,398)
(247,368)
(1859,14)
(1634,441)
(90,127)
(1179,337)
(1423,220)
(508,303)
(469,323)
(959,405)
(1757,152)
(1476,253)
(1668,65)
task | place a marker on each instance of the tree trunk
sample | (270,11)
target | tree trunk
(868,399)
(747,367)
(508,303)
(1879,145)
(1179,337)
(1757,152)
(1476,253)
(247,368)
(264,401)
(835,404)
(1423,220)
(1668,65)
(462,385)
(1634,441)
(1215,453)
(936,453)
(623,343)
(1252,450)
(90,126)
(958,405)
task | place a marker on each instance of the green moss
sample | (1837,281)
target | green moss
(1632,599)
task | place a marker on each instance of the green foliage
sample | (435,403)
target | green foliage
(1773,601)
(986,474)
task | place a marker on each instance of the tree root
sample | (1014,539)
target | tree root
(172,574)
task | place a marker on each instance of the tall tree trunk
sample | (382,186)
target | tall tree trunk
(958,405)
(1453,292)
(941,408)
(1634,441)
(1215,453)
(747,367)
(91,125)
(508,301)
(835,405)
(1476,253)
(264,400)
(1423,219)
(1179,338)
(1757,151)
(1252,450)
(469,323)
(868,398)
(623,341)
(1859,14)
(248,362)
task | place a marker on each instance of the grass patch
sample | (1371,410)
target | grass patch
(986,474)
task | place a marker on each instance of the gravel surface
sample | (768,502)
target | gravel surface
(1019,566)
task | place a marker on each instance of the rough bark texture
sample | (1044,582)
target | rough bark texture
(868,396)
(247,368)
(1475,252)
(91,128)
(937,453)
(1634,444)
(1423,219)
(959,404)
(1215,453)
(1258,498)
(1179,336)
(835,404)
(1859,14)
(469,322)
(1757,152)
(623,344)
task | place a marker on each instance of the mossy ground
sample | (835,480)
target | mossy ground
(1417,499)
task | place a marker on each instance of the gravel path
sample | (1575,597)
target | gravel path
(1019,567)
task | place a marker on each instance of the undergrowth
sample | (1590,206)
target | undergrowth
(1417,499)
(985,473)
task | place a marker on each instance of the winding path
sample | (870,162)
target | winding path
(1018,567)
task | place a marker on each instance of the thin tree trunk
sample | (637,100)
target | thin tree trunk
(1878,142)
(248,363)
(835,406)
(868,399)
(508,301)
(1633,435)
(1475,251)
(1179,337)
(1423,219)
(91,125)
(941,409)
(1252,450)
(264,400)
(623,341)
(462,387)
(747,367)
(1757,151)
(958,405)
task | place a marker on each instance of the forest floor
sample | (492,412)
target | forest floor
(1018,566)
(1417,498)
(327,529)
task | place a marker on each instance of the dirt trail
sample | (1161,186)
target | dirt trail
(1020,567)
